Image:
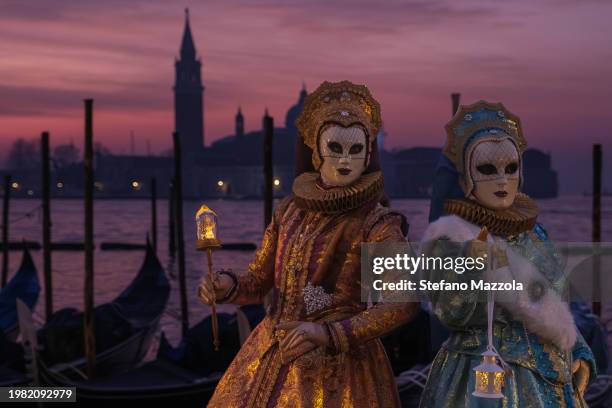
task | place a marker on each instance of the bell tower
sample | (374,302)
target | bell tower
(189,95)
(239,123)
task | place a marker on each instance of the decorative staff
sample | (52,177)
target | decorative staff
(206,222)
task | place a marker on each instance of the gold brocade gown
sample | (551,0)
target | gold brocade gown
(311,260)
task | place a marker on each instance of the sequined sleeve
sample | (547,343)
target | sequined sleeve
(384,316)
(252,286)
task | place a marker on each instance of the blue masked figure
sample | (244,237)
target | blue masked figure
(477,184)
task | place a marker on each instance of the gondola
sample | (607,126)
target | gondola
(124,327)
(12,364)
(184,376)
(23,285)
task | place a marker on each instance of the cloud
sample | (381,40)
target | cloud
(548,59)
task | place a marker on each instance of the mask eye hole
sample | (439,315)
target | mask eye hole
(487,169)
(356,148)
(511,168)
(335,147)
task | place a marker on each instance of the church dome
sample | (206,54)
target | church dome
(295,110)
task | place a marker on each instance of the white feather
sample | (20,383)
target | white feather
(549,317)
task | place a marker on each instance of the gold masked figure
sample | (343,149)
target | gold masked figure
(318,344)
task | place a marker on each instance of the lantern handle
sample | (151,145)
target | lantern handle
(490,313)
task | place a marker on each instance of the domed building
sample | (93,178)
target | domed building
(233,165)
(295,110)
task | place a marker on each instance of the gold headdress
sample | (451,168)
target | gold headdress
(342,103)
(481,117)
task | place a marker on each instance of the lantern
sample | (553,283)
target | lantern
(489,377)
(206,228)
(206,222)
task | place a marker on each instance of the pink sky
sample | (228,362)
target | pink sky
(550,63)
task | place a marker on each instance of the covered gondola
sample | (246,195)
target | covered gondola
(23,285)
(123,328)
(185,376)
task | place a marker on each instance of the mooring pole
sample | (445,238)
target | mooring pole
(5,228)
(597,159)
(180,239)
(455,97)
(268,125)
(154,213)
(171,219)
(46,224)
(88,323)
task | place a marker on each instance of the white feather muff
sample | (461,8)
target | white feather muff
(546,315)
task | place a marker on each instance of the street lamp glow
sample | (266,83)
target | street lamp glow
(15,185)
(60,184)
(277,182)
(220,183)
(136,185)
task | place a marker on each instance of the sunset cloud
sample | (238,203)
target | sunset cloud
(550,62)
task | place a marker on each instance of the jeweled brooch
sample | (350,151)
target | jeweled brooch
(315,298)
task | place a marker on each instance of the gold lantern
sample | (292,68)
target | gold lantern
(489,377)
(206,225)
(206,222)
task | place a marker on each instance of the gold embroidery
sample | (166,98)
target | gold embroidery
(254,375)
(308,195)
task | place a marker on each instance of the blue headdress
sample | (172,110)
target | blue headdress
(470,123)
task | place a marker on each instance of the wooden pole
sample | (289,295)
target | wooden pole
(178,209)
(597,159)
(5,228)
(46,224)
(268,125)
(213,308)
(455,97)
(88,323)
(171,219)
(154,213)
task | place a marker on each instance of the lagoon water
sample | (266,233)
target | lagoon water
(566,219)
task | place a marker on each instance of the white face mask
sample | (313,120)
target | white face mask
(343,155)
(495,171)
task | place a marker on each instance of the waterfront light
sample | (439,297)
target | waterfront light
(60,184)
(220,183)
(30,192)
(136,185)
(277,182)
(99,185)
(15,185)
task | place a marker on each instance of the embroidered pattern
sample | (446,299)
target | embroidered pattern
(315,298)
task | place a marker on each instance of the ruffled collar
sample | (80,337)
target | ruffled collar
(311,195)
(518,218)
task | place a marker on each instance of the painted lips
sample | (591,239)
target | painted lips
(501,194)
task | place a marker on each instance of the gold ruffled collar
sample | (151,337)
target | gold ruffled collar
(309,194)
(520,217)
